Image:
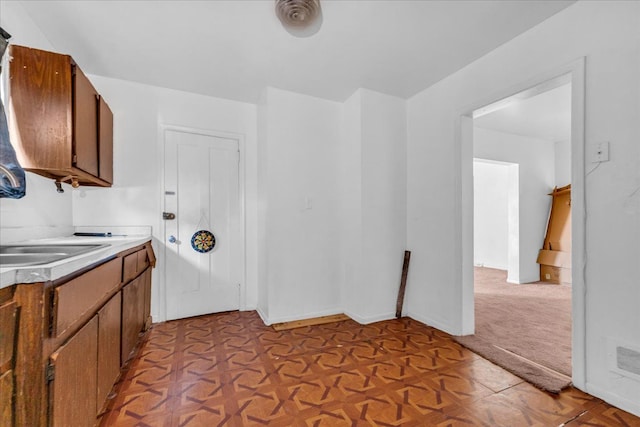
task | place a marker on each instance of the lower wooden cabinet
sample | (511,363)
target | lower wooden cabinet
(73,373)
(63,342)
(109,325)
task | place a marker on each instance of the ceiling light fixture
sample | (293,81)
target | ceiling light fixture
(301,18)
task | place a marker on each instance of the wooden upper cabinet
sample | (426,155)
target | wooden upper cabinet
(105,141)
(40,108)
(60,126)
(85,123)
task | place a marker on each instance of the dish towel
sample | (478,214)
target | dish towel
(12,179)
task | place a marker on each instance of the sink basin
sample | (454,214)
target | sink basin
(27,255)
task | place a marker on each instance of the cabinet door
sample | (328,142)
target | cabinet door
(105,142)
(132,315)
(109,320)
(8,327)
(41,107)
(6,403)
(72,392)
(146,277)
(85,123)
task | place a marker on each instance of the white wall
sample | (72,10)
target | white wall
(351,231)
(301,193)
(42,212)
(262,208)
(535,158)
(490,214)
(562,154)
(612,271)
(136,195)
(375,201)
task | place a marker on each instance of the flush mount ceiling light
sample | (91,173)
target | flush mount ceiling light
(301,18)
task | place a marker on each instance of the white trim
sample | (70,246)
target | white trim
(463,152)
(631,406)
(264,317)
(370,319)
(240,138)
(446,327)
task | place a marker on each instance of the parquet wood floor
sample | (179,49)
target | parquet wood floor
(231,370)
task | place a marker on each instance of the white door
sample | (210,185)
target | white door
(202,190)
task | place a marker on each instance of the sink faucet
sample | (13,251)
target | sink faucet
(13,180)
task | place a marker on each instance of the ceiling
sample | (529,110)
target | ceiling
(233,49)
(545,116)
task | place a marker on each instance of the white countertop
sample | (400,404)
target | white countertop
(54,270)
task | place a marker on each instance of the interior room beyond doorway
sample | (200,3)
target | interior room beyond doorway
(522,151)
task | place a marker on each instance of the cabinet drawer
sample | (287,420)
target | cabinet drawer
(8,324)
(143,260)
(73,300)
(130,268)
(134,264)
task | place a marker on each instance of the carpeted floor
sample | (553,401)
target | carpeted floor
(524,328)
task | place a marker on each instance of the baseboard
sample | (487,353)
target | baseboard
(365,320)
(495,267)
(433,323)
(525,281)
(614,399)
(264,318)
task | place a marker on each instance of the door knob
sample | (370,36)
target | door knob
(172,239)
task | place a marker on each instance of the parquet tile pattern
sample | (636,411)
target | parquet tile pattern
(230,369)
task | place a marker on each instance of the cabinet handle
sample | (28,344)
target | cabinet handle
(172,239)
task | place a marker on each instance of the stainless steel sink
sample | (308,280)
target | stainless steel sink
(28,255)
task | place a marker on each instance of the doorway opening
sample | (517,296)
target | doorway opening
(514,152)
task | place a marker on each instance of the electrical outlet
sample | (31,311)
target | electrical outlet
(600,152)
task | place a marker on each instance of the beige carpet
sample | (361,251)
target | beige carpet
(526,329)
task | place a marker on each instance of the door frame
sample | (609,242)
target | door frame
(162,285)
(463,188)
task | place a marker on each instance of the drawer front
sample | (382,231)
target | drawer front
(8,324)
(130,268)
(143,260)
(74,300)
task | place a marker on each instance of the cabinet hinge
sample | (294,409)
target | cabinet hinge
(74,159)
(51,373)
